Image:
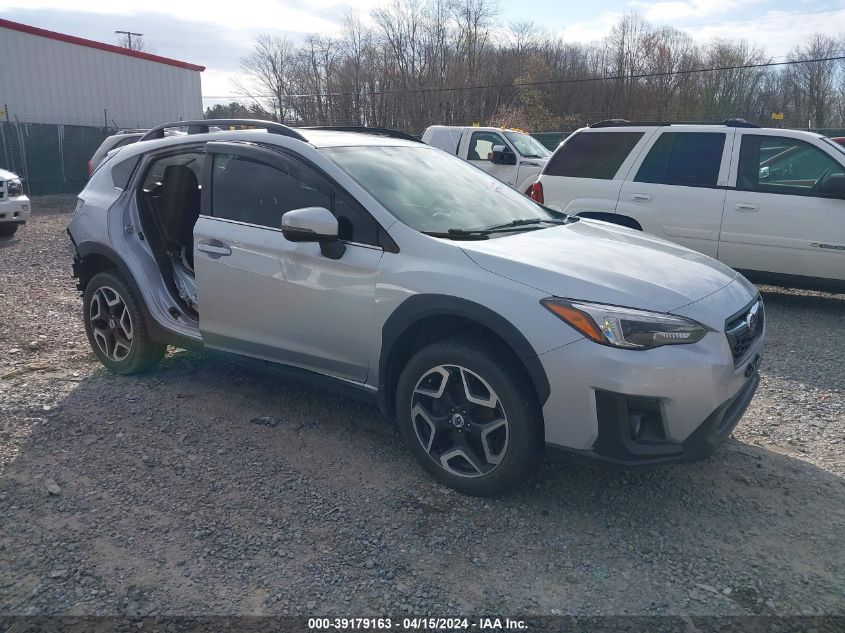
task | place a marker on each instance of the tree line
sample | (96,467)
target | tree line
(420,62)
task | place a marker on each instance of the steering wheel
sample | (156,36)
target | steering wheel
(818,181)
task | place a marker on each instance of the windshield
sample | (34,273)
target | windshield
(528,146)
(432,191)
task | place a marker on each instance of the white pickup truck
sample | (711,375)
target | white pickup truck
(509,155)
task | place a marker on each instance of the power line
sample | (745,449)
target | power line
(554,82)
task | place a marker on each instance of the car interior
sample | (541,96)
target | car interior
(169,207)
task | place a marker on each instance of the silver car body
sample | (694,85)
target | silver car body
(284,302)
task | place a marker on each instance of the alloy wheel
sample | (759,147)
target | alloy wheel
(459,421)
(111,323)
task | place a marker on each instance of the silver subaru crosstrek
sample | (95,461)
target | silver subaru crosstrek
(491,328)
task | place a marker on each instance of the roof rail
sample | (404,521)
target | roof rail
(626,123)
(362,129)
(202,126)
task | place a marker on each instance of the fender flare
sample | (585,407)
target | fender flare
(422,306)
(157,332)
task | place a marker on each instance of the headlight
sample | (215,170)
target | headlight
(14,188)
(625,327)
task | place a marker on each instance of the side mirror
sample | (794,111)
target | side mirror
(501,155)
(314,224)
(833,186)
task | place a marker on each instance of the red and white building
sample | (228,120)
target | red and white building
(51,77)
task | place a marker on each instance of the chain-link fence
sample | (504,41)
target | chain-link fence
(50,158)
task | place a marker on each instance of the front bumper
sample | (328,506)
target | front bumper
(672,403)
(615,444)
(15,210)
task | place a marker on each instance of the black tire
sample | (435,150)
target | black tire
(523,447)
(8,230)
(143,353)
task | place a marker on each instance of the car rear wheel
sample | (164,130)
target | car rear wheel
(8,230)
(469,419)
(115,325)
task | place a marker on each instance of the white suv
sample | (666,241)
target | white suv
(768,202)
(486,324)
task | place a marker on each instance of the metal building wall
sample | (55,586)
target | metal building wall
(51,81)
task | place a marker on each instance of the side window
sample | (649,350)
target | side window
(247,190)
(126,141)
(155,180)
(122,172)
(593,155)
(690,159)
(481,144)
(775,164)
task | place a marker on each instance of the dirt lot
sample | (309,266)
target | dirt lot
(157,495)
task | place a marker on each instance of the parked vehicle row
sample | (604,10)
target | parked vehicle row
(512,156)
(492,328)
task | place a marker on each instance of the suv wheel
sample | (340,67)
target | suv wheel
(115,326)
(8,230)
(471,422)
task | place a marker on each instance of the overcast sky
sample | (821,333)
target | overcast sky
(218,35)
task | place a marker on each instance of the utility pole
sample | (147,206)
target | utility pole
(129,35)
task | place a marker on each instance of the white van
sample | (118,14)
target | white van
(768,202)
(511,156)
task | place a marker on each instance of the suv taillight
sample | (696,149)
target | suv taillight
(536,192)
(89,168)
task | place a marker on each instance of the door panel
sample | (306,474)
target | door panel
(480,145)
(263,296)
(240,295)
(674,190)
(773,222)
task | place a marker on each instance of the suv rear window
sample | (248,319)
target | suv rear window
(593,155)
(690,159)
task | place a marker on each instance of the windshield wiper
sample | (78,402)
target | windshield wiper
(515,224)
(530,224)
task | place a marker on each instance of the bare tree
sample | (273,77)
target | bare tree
(445,61)
(134,42)
(268,68)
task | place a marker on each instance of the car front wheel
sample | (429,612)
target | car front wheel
(8,230)
(468,417)
(115,325)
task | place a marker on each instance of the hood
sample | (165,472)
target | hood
(7,175)
(605,263)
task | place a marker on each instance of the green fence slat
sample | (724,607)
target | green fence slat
(50,158)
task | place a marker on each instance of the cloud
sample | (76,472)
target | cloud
(663,12)
(249,14)
(775,31)
(591,30)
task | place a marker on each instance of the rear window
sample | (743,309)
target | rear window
(122,172)
(690,159)
(593,155)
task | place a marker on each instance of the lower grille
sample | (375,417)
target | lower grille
(744,328)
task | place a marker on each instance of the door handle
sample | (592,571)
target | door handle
(641,197)
(744,206)
(214,247)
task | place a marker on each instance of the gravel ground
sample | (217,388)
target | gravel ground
(157,495)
